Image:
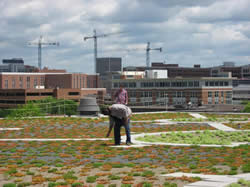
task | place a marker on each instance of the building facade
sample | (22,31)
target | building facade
(15,65)
(18,88)
(11,98)
(108,64)
(13,80)
(177,91)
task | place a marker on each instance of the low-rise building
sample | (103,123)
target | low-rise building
(177,91)
(18,88)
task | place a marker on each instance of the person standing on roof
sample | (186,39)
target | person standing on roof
(121,96)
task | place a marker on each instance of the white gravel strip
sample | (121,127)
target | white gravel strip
(211,180)
(220,126)
(10,129)
(54,139)
(197,115)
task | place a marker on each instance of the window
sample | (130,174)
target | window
(147,84)
(35,82)
(74,93)
(210,94)
(47,94)
(131,94)
(42,81)
(228,94)
(193,94)
(226,83)
(13,83)
(146,94)
(211,83)
(132,85)
(222,94)
(196,83)
(179,94)
(77,81)
(6,83)
(80,82)
(32,94)
(21,82)
(216,94)
(190,84)
(28,82)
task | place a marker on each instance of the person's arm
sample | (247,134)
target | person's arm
(126,97)
(111,125)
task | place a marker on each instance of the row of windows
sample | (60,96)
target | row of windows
(35,94)
(180,84)
(216,94)
(163,94)
(216,83)
(79,82)
(21,80)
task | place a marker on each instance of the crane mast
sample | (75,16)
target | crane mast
(94,37)
(40,44)
(148,49)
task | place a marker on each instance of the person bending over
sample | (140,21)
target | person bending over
(119,115)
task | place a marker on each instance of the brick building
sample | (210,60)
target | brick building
(18,88)
(177,91)
(47,80)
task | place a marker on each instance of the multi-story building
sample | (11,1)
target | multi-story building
(15,65)
(18,88)
(108,64)
(177,91)
(197,71)
(12,80)
(241,93)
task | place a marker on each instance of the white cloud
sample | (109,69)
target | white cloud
(191,32)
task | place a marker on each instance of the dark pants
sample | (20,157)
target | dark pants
(127,129)
(117,130)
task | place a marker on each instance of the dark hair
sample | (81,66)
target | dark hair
(106,111)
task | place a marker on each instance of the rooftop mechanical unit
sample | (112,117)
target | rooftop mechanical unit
(88,106)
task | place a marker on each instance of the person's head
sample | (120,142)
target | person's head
(107,111)
(121,86)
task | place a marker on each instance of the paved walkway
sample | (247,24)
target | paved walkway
(220,126)
(197,115)
(211,180)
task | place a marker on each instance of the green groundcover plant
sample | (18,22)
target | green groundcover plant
(205,137)
(47,106)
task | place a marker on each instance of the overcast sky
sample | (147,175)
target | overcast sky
(206,32)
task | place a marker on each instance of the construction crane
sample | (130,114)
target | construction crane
(95,36)
(148,49)
(40,43)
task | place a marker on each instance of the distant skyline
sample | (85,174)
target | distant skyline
(206,32)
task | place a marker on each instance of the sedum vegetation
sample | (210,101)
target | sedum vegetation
(205,137)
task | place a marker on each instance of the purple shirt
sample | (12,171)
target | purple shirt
(121,97)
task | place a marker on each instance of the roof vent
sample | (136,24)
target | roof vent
(88,106)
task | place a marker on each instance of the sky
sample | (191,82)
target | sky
(206,32)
